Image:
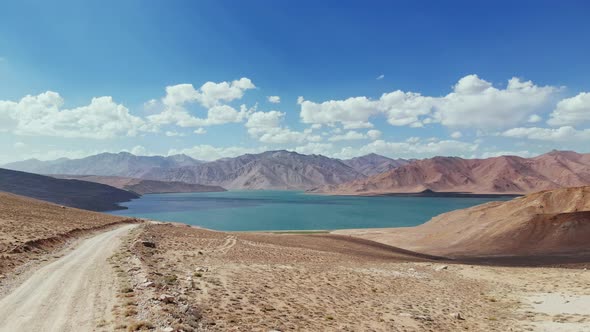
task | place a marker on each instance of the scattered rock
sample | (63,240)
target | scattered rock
(167,329)
(148,244)
(405,314)
(166,298)
(442,267)
(458,316)
(147,284)
(202,269)
(422,317)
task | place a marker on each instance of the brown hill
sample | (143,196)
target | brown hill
(505,174)
(142,187)
(73,193)
(555,222)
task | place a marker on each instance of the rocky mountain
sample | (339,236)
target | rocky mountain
(73,193)
(142,186)
(505,174)
(554,222)
(113,164)
(268,170)
(372,164)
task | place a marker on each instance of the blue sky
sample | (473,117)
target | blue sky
(404,79)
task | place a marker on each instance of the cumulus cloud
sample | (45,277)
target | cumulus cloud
(473,102)
(572,111)
(208,152)
(534,118)
(415,148)
(373,134)
(139,150)
(174,134)
(266,127)
(315,148)
(274,99)
(44,115)
(212,96)
(348,136)
(561,134)
(456,134)
(355,135)
(200,131)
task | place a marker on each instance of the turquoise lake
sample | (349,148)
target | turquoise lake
(291,210)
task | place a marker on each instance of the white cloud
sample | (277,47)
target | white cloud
(561,134)
(274,99)
(357,125)
(411,149)
(476,103)
(174,134)
(472,103)
(266,127)
(43,115)
(212,96)
(208,152)
(373,134)
(352,135)
(315,148)
(534,118)
(348,136)
(139,150)
(19,145)
(456,134)
(490,154)
(572,111)
(380,77)
(200,131)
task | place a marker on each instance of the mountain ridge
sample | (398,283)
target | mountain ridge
(275,169)
(143,186)
(503,174)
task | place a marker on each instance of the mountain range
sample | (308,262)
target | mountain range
(367,175)
(122,164)
(267,170)
(504,174)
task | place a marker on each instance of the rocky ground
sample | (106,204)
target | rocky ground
(189,279)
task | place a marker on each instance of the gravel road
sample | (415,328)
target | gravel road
(74,293)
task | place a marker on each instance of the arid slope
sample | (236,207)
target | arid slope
(73,193)
(546,223)
(505,174)
(142,187)
(32,228)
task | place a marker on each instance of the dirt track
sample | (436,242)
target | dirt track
(74,293)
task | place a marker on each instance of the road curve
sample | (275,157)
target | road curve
(74,293)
